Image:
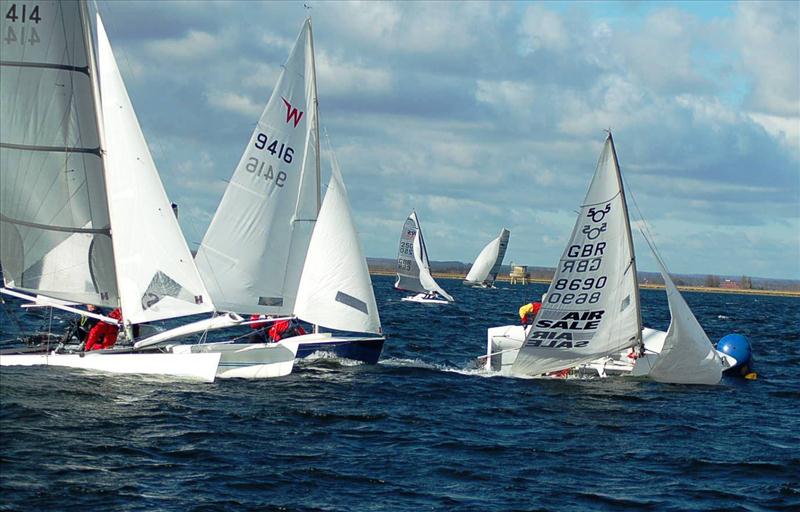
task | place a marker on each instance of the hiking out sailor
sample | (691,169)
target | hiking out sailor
(104,335)
(283,329)
(259,333)
(528,312)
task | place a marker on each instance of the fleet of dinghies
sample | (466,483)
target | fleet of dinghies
(84,219)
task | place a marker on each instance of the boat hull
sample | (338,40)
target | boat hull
(247,360)
(365,349)
(201,367)
(420,298)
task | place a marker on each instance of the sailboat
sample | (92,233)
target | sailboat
(272,249)
(590,321)
(84,218)
(487,265)
(413,266)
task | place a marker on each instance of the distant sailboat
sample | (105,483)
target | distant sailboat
(271,250)
(487,265)
(84,218)
(591,318)
(413,266)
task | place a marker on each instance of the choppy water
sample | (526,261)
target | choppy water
(418,431)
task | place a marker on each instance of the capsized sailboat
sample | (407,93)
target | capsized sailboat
(590,321)
(413,266)
(84,218)
(487,265)
(271,250)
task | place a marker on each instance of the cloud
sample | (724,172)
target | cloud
(767,35)
(484,115)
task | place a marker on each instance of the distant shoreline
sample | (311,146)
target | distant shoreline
(648,286)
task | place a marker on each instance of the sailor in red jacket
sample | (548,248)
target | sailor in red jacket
(285,329)
(103,335)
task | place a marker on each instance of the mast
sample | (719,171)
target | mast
(630,241)
(101,135)
(315,100)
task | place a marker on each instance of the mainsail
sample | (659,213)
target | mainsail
(55,237)
(156,273)
(487,265)
(335,289)
(592,304)
(407,267)
(252,255)
(413,267)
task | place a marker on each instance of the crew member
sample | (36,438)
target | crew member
(528,312)
(83,325)
(259,329)
(285,329)
(104,335)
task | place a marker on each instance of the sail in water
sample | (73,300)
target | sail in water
(413,266)
(592,304)
(487,265)
(335,289)
(55,231)
(252,255)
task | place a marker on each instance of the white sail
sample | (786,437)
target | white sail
(487,264)
(687,357)
(592,305)
(425,277)
(156,275)
(252,255)
(55,235)
(407,267)
(335,289)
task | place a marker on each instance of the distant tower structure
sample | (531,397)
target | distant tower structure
(518,273)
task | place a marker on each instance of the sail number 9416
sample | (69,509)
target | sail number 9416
(279,149)
(257,168)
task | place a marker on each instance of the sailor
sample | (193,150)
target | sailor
(528,312)
(285,329)
(104,335)
(259,334)
(81,327)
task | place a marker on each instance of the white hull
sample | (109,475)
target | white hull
(191,366)
(420,297)
(247,360)
(503,344)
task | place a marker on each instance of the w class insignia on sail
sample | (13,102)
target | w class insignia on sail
(292,113)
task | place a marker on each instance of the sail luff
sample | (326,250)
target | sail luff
(315,118)
(626,217)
